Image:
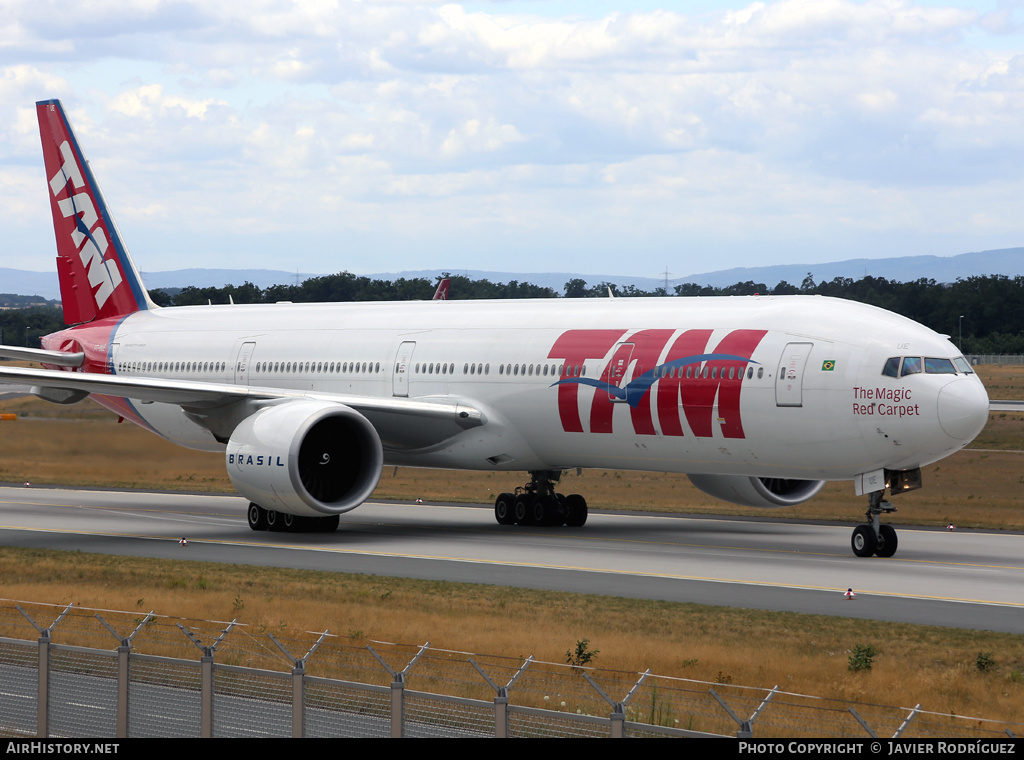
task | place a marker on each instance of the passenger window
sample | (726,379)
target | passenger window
(911,365)
(892,367)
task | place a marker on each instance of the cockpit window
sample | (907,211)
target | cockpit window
(933,366)
(911,365)
(963,365)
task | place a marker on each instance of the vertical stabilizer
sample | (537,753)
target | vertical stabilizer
(441,294)
(97,276)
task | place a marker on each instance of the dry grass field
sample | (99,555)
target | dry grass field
(981,486)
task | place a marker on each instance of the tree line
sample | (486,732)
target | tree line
(989,309)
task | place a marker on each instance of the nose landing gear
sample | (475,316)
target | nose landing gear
(873,538)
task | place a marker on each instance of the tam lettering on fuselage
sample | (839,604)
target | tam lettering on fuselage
(88,235)
(689,375)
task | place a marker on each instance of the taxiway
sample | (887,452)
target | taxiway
(967,579)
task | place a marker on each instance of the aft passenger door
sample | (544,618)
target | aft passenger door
(242,363)
(789,383)
(618,370)
(403,361)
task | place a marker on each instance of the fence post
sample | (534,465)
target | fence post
(501,697)
(206,677)
(618,722)
(617,718)
(501,715)
(43,688)
(43,674)
(298,700)
(299,683)
(123,673)
(398,690)
(398,706)
(746,727)
(206,697)
(122,692)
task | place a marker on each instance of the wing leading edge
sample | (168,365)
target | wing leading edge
(401,423)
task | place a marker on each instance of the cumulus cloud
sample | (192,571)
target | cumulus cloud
(818,127)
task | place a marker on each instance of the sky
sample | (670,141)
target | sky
(597,137)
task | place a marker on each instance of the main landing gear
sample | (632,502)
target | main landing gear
(872,537)
(536,503)
(281,522)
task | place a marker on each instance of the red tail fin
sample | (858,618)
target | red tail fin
(441,294)
(97,276)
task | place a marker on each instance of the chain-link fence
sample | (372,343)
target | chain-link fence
(74,672)
(995,358)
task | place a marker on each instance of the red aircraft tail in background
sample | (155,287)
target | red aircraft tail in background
(441,294)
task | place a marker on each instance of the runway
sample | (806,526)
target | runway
(967,579)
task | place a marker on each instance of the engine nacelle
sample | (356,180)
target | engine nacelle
(310,458)
(757,492)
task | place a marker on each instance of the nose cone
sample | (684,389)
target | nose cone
(963,408)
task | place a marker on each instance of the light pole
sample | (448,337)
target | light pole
(960,340)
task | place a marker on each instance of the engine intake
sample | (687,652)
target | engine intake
(757,492)
(310,458)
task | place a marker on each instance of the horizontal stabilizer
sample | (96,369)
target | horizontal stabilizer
(56,358)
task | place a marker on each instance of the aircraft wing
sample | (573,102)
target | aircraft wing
(401,423)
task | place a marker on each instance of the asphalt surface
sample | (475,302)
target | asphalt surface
(966,579)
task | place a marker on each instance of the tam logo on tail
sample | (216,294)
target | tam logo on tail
(92,263)
(102,274)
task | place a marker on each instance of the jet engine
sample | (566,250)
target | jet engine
(757,492)
(311,458)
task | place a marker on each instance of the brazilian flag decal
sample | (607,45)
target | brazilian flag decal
(828,365)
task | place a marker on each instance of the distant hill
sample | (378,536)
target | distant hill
(1005,261)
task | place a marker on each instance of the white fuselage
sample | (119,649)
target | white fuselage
(806,397)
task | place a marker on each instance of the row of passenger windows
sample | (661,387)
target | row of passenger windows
(291,368)
(712,372)
(171,366)
(579,370)
(510,370)
(901,366)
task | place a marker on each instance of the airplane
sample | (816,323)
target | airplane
(759,399)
